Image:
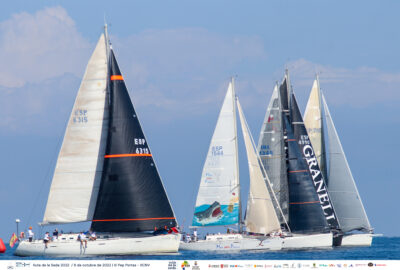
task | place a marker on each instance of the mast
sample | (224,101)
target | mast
(234,98)
(107,39)
(289,86)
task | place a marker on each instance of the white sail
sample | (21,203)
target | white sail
(260,215)
(218,197)
(77,175)
(314,125)
(272,153)
(342,188)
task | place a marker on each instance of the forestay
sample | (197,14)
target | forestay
(218,196)
(342,188)
(260,216)
(76,179)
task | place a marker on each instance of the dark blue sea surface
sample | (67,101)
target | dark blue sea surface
(383,248)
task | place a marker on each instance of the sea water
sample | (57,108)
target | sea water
(383,248)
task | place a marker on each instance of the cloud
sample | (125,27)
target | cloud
(360,87)
(171,73)
(183,70)
(35,47)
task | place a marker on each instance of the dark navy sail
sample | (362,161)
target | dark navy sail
(312,173)
(131,196)
(305,213)
(283,93)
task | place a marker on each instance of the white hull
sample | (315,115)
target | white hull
(307,241)
(231,242)
(361,240)
(69,246)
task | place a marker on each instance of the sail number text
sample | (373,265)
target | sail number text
(266,150)
(80,116)
(141,150)
(217,150)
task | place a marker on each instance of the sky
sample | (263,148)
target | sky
(177,58)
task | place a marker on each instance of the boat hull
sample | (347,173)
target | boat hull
(307,241)
(71,247)
(227,243)
(357,240)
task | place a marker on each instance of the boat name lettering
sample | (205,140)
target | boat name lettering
(217,150)
(319,183)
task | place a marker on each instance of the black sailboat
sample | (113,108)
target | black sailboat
(105,174)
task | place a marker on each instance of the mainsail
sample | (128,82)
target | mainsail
(79,166)
(131,196)
(218,196)
(260,215)
(272,152)
(314,123)
(342,188)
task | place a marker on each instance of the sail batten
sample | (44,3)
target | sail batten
(78,170)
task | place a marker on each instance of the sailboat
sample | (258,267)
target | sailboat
(218,199)
(343,191)
(105,173)
(288,159)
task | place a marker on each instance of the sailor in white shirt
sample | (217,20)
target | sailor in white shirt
(30,234)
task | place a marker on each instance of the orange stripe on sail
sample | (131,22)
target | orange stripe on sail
(291,140)
(297,171)
(303,202)
(117,78)
(132,219)
(127,155)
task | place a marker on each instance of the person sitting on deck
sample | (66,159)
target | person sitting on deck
(55,234)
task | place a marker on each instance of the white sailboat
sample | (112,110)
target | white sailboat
(300,212)
(106,174)
(349,208)
(218,200)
